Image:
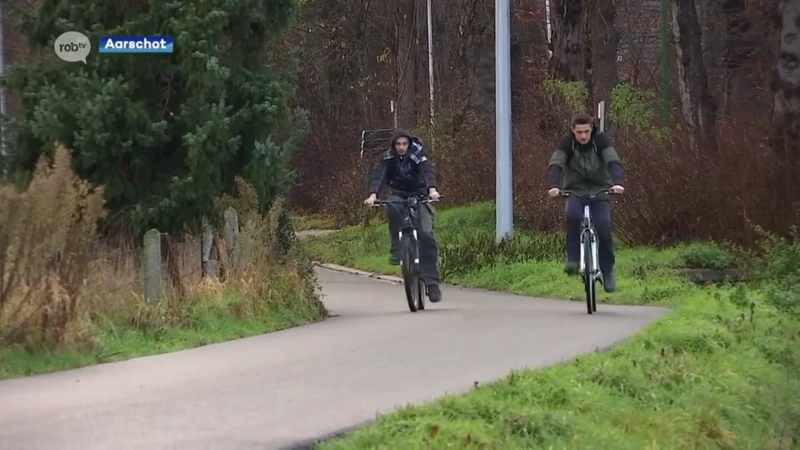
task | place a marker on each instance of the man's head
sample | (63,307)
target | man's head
(582,128)
(401,141)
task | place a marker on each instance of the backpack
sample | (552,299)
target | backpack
(571,151)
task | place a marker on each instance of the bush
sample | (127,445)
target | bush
(46,244)
(674,194)
(780,270)
(707,256)
(473,248)
(63,288)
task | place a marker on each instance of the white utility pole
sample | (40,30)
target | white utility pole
(504,185)
(601,115)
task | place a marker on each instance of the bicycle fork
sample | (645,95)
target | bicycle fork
(414,234)
(588,232)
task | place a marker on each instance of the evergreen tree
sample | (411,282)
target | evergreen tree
(164,133)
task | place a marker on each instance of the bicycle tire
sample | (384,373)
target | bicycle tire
(422,293)
(588,276)
(410,274)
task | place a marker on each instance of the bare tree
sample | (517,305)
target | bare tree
(605,40)
(571,49)
(406,62)
(697,104)
(738,50)
(786,103)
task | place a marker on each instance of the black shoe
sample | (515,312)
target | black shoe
(571,268)
(434,293)
(610,282)
(394,259)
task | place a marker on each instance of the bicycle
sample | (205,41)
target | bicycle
(409,249)
(589,266)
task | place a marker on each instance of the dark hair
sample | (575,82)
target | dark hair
(581,119)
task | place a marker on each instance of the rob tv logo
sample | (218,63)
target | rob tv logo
(73,46)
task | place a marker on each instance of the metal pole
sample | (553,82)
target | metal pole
(601,115)
(430,61)
(3,101)
(505,199)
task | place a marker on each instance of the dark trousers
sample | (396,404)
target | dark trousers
(428,247)
(601,218)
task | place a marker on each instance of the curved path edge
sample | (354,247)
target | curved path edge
(362,273)
(324,379)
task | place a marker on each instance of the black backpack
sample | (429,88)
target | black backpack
(571,151)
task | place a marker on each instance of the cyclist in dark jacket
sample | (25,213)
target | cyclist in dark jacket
(588,163)
(408,172)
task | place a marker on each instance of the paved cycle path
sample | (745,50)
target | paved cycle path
(275,390)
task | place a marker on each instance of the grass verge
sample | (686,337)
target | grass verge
(69,298)
(145,330)
(720,371)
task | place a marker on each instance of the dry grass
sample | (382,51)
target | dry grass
(62,287)
(46,245)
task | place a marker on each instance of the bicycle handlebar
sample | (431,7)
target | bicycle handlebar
(420,199)
(570,193)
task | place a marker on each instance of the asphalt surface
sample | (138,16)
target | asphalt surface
(276,390)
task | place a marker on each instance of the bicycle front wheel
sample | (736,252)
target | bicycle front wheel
(411,279)
(588,274)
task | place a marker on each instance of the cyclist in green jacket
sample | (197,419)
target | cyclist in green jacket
(585,163)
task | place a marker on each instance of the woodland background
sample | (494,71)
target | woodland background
(701,95)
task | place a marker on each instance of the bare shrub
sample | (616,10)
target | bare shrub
(61,285)
(46,245)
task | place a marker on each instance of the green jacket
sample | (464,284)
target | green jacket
(592,168)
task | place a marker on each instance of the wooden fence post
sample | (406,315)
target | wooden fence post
(152,265)
(231,235)
(209,265)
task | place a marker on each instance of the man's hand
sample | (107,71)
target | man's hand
(433,194)
(554,192)
(617,189)
(371,199)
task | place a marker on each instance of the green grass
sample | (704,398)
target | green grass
(720,371)
(153,330)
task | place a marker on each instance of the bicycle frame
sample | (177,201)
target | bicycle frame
(414,285)
(588,232)
(411,224)
(410,219)
(592,273)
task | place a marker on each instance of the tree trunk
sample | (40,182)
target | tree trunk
(605,40)
(739,47)
(406,64)
(786,86)
(697,105)
(480,56)
(571,54)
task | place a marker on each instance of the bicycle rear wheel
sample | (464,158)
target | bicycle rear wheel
(588,274)
(411,279)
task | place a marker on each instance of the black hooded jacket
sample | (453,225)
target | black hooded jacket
(409,174)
